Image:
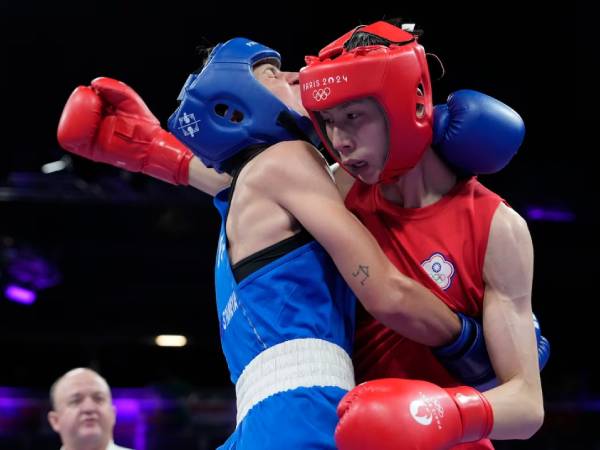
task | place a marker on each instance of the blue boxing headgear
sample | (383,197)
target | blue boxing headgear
(225,110)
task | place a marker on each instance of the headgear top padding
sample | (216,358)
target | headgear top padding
(395,75)
(224,109)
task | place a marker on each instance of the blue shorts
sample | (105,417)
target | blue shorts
(300,419)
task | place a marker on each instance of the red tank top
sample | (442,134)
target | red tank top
(442,246)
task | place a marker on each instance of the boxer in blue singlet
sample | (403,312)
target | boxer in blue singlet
(286,314)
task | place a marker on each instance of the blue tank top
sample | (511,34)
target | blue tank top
(299,295)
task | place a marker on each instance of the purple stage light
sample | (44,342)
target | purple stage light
(129,411)
(19,294)
(134,405)
(32,270)
(549,214)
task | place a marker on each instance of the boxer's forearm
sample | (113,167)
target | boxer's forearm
(207,180)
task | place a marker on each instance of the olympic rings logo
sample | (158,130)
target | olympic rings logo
(321,94)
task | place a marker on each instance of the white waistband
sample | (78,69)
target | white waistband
(290,365)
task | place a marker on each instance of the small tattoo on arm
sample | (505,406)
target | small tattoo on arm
(362,271)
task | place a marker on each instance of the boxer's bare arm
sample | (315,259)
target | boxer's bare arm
(296,177)
(211,182)
(207,180)
(508,273)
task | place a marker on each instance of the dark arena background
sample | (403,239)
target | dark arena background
(110,259)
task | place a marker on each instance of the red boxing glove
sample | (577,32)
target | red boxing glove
(110,123)
(396,414)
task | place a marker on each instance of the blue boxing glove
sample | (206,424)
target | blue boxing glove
(475,133)
(543,344)
(467,358)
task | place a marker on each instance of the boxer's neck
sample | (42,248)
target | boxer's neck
(423,185)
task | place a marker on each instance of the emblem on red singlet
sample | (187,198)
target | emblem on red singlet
(439,269)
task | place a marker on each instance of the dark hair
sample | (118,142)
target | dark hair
(204,51)
(360,38)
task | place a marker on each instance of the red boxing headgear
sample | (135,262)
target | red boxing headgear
(396,76)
